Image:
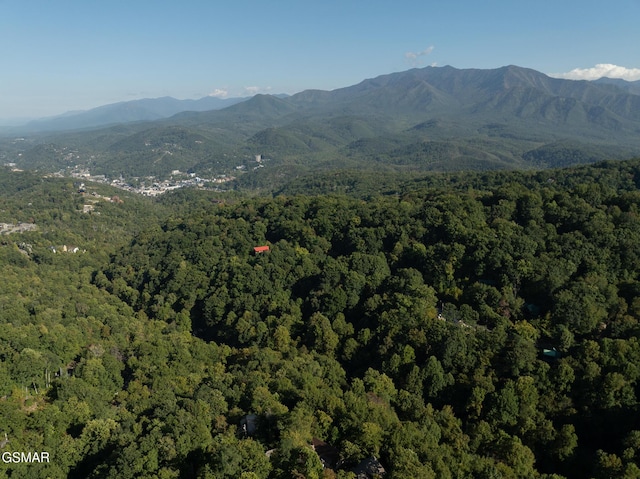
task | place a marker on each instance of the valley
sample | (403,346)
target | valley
(430,119)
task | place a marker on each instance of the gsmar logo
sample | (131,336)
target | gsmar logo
(24,457)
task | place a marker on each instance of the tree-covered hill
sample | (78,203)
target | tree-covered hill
(454,325)
(448,295)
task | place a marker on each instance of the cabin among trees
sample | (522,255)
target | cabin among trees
(369,468)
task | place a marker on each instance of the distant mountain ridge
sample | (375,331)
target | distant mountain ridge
(147,109)
(427,119)
(630,86)
(475,91)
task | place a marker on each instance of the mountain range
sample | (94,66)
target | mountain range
(146,109)
(428,119)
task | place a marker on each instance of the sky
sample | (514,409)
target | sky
(66,55)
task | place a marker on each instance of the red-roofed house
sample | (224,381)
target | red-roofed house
(260,249)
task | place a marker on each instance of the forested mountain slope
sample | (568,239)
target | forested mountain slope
(477,325)
(428,119)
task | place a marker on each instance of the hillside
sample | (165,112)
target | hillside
(447,325)
(429,119)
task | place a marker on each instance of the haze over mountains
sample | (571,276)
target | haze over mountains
(434,118)
(146,109)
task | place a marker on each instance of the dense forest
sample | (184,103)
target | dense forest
(471,325)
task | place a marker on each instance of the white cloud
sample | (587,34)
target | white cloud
(219,93)
(239,91)
(414,57)
(254,90)
(600,70)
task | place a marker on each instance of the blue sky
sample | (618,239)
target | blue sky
(61,55)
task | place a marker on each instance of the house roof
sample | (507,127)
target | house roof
(260,249)
(328,454)
(368,468)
